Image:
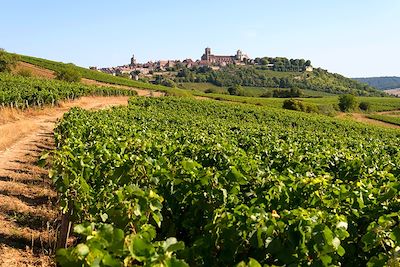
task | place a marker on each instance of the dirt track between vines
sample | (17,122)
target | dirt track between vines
(28,211)
(359,117)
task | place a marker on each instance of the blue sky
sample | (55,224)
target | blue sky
(353,37)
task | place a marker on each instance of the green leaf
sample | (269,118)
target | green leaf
(83,229)
(172,245)
(140,247)
(395,235)
(328,235)
(82,250)
(108,260)
(104,217)
(326,259)
(175,263)
(341,251)
(253,263)
(156,219)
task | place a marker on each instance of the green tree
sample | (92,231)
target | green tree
(347,102)
(7,61)
(68,74)
(264,61)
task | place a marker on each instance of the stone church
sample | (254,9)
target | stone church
(223,60)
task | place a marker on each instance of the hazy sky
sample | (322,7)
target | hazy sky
(353,37)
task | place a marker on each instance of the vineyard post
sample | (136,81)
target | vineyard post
(65,229)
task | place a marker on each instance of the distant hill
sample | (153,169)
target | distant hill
(382,83)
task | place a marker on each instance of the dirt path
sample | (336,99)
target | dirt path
(364,119)
(389,112)
(28,213)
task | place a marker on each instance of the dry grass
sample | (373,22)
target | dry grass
(12,132)
(12,257)
(35,70)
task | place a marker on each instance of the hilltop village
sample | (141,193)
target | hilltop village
(215,62)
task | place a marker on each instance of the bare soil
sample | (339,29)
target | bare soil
(28,203)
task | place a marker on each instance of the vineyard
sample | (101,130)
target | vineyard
(20,92)
(180,182)
(90,74)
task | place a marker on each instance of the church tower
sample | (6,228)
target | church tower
(208,53)
(133,60)
(239,55)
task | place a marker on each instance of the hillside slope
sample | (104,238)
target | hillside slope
(257,76)
(91,74)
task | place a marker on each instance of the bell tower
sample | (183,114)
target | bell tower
(239,55)
(208,53)
(133,60)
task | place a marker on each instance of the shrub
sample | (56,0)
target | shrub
(168,83)
(144,80)
(236,90)
(299,105)
(266,94)
(365,106)
(124,75)
(285,93)
(24,73)
(347,102)
(7,61)
(328,110)
(69,75)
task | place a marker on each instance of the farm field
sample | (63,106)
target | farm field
(206,183)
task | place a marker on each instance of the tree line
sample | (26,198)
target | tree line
(283,64)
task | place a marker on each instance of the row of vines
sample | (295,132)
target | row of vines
(178,182)
(23,92)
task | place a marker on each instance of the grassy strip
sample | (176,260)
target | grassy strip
(385,118)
